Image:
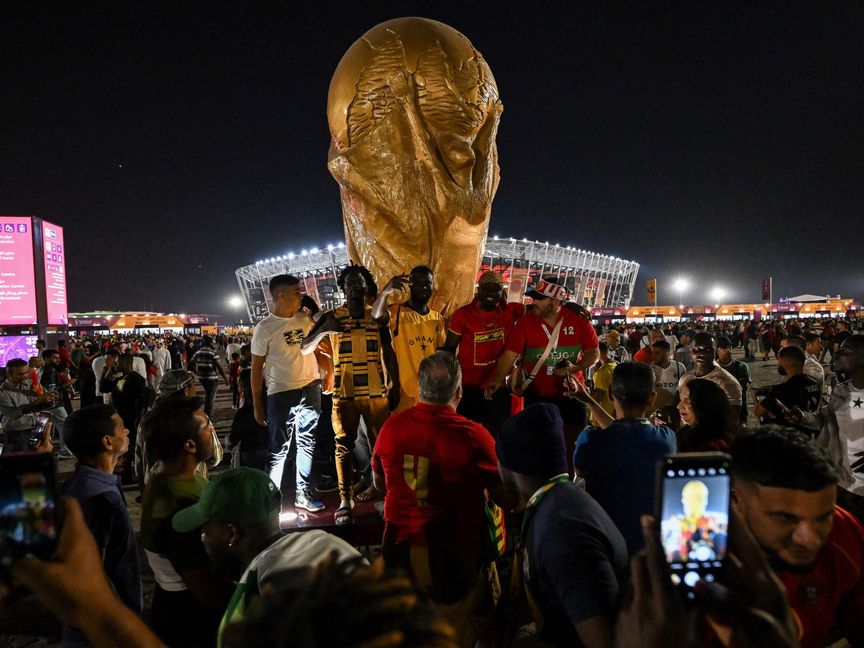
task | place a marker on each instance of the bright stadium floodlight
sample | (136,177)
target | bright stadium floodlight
(290,255)
(235,301)
(681,285)
(313,251)
(718,294)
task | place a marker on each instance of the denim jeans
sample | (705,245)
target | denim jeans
(292,417)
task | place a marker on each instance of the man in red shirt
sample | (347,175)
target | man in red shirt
(573,347)
(479,330)
(784,489)
(435,468)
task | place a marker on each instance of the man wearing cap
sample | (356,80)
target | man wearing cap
(479,331)
(573,557)
(238,514)
(565,342)
(739,370)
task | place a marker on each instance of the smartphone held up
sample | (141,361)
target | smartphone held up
(29,517)
(694,498)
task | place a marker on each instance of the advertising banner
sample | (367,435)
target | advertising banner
(55,274)
(17,278)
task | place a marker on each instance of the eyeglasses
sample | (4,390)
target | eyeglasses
(703,349)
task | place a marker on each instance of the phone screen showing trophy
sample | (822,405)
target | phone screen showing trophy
(694,519)
(28,506)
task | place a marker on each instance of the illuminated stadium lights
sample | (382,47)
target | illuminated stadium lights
(596,280)
(330,247)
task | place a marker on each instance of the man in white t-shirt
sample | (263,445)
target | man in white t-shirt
(667,373)
(293,402)
(231,348)
(704,352)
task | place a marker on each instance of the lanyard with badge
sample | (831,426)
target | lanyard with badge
(552,346)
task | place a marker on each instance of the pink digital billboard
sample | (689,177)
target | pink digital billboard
(55,274)
(17,277)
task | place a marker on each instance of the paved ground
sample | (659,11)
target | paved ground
(26,624)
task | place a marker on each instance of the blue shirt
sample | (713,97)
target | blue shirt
(619,466)
(108,519)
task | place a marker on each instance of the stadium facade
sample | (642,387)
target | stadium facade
(596,280)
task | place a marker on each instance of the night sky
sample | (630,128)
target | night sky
(177,143)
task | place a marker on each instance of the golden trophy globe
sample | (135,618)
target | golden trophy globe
(413,111)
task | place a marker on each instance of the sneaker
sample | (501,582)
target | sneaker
(344,515)
(304,500)
(327,484)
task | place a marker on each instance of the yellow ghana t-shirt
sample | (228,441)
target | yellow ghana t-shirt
(415,337)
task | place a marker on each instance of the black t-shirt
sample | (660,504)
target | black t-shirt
(246,431)
(129,395)
(575,561)
(841,337)
(801,391)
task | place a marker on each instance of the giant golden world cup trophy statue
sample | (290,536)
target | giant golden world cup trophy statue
(413,112)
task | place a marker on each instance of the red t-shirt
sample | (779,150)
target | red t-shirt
(436,464)
(832,592)
(483,334)
(643,355)
(530,337)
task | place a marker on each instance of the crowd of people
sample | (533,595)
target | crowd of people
(515,449)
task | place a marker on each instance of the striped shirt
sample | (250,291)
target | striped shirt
(205,361)
(359,370)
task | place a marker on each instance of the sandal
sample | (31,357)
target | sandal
(344,515)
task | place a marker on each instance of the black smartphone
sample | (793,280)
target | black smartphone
(42,420)
(694,499)
(29,517)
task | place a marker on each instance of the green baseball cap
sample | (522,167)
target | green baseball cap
(243,496)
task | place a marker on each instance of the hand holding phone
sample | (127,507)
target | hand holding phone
(693,500)
(88,603)
(37,436)
(29,520)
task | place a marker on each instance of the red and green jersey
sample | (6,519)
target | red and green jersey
(530,337)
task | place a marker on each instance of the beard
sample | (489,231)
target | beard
(226,567)
(780,565)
